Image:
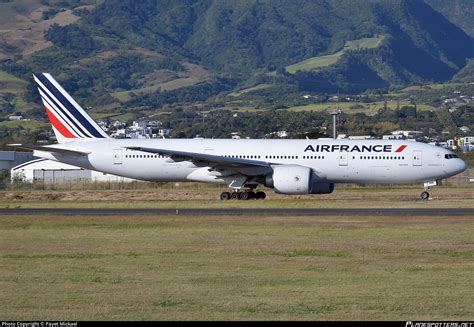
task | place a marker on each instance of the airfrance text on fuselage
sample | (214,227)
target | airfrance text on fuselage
(351,148)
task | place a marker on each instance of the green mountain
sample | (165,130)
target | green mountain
(459,12)
(151,53)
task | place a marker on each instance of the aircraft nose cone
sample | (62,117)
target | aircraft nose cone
(461,166)
(464,165)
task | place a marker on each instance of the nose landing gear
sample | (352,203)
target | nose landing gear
(425,195)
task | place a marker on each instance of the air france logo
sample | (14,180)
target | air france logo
(353,148)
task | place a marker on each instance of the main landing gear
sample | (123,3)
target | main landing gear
(243,195)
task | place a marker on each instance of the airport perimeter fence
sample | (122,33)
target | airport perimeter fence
(138,185)
(466,179)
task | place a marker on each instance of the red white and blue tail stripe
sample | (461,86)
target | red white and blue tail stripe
(70,122)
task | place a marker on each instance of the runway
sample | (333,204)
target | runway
(238,212)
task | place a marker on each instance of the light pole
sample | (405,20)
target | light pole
(334,113)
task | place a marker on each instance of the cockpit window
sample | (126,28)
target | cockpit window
(450,156)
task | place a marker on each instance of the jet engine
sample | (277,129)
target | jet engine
(295,179)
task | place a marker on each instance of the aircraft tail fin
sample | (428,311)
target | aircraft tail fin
(69,121)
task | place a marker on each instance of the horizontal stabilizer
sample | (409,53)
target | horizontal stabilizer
(48,149)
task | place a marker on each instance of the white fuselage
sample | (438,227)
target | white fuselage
(334,161)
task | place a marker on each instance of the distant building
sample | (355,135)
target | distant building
(53,172)
(10,159)
(408,134)
(443,144)
(15,118)
(162,132)
(235,135)
(393,137)
(279,134)
(450,144)
(468,139)
(464,129)
(360,137)
(467,143)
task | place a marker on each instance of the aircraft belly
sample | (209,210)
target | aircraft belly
(146,169)
(379,174)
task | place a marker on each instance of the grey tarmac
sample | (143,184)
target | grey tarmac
(238,211)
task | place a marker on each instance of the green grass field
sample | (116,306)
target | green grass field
(33,125)
(10,84)
(250,89)
(324,61)
(204,196)
(113,116)
(369,108)
(124,96)
(168,81)
(8,78)
(236,268)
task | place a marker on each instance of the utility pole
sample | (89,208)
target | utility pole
(334,113)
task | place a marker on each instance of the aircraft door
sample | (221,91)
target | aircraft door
(342,158)
(118,156)
(417,158)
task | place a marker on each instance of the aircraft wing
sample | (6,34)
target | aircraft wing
(213,160)
(48,149)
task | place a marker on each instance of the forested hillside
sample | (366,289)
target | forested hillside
(460,12)
(152,53)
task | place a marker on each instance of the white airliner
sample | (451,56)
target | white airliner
(287,166)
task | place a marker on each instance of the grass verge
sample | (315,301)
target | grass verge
(262,268)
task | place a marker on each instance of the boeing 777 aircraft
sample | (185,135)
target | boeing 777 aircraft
(287,166)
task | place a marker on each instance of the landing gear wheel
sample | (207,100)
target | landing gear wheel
(424,195)
(244,195)
(225,196)
(260,195)
(235,196)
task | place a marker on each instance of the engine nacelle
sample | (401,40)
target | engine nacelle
(321,188)
(294,179)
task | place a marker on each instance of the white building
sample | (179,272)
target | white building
(442,144)
(464,129)
(53,172)
(235,135)
(468,140)
(162,132)
(450,143)
(393,137)
(408,134)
